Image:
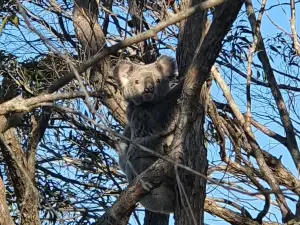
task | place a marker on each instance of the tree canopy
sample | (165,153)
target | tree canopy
(236,148)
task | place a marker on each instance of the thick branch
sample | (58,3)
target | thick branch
(189,134)
(5,218)
(19,104)
(93,60)
(16,162)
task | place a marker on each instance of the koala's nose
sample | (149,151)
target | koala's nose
(149,84)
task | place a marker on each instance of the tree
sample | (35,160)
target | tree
(62,112)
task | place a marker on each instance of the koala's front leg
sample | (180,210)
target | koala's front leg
(123,149)
(158,143)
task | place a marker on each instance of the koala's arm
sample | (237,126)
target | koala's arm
(123,149)
(124,144)
(127,132)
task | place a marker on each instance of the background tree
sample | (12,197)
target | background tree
(62,112)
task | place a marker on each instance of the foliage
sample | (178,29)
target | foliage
(72,139)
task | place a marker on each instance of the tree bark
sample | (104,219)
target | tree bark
(22,178)
(191,190)
(5,218)
(189,135)
(92,39)
(189,36)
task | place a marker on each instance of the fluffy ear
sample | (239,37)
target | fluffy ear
(166,65)
(122,71)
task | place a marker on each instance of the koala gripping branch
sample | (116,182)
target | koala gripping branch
(155,174)
(133,40)
(190,127)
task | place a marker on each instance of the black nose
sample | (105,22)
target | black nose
(149,89)
(149,84)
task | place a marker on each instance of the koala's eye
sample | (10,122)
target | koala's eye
(159,67)
(137,81)
(158,80)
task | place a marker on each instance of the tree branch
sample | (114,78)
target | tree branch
(284,114)
(293,27)
(133,40)
(5,218)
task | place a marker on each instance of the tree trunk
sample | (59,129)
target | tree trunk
(14,157)
(5,218)
(190,36)
(190,135)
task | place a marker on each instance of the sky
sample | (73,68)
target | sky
(274,19)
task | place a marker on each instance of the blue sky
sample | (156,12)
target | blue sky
(276,16)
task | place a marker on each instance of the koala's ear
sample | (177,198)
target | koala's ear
(167,65)
(122,71)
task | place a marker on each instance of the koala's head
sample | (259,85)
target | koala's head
(145,83)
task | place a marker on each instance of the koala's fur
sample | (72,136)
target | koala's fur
(152,115)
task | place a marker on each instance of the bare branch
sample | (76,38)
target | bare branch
(19,104)
(293,27)
(130,41)
(249,71)
(284,114)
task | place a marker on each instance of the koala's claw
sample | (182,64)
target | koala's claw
(146,185)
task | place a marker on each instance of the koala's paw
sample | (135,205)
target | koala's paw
(161,199)
(123,146)
(146,185)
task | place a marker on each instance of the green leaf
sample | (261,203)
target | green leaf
(274,49)
(4,22)
(14,20)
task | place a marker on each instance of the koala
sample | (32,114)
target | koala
(152,113)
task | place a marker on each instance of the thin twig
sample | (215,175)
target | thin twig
(133,40)
(163,157)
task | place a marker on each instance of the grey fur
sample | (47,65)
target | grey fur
(151,115)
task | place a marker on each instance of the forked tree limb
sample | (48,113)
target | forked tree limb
(255,149)
(281,106)
(93,60)
(192,86)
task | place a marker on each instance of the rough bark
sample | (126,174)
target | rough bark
(190,208)
(191,121)
(281,106)
(19,172)
(92,39)
(5,218)
(190,34)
